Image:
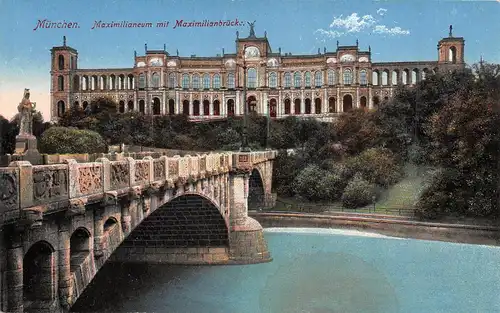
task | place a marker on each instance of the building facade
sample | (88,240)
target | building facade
(278,84)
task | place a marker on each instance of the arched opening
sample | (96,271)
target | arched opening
(155,80)
(332,104)
(375,76)
(60,83)
(362,102)
(76,83)
(61,62)
(405,77)
(252,78)
(85,83)
(196,108)
(142,106)
(121,80)
(85,105)
(307,106)
(61,108)
(414,76)
(130,106)
(76,104)
(121,106)
(171,106)
(103,82)
(230,107)
(39,276)
(425,72)
(188,221)
(252,104)
(216,108)
(272,108)
(287,106)
(206,107)
(256,194)
(394,78)
(156,106)
(347,103)
(375,102)
(94,82)
(297,106)
(79,248)
(112,234)
(131,81)
(452,55)
(185,107)
(109,224)
(317,106)
(385,78)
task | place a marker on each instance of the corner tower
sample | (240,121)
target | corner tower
(451,51)
(64,63)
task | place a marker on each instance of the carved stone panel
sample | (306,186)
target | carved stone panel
(49,184)
(120,174)
(159,169)
(9,195)
(141,171)
(173,168)
(90,180)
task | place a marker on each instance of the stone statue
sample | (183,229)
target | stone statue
(25,114)
(252,31)
(451,29)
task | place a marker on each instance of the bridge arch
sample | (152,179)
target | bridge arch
(39,276)
(256,190)
(189,220)
(80,247)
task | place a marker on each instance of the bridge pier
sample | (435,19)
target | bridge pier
(65,278)
(246,236)
(14,275)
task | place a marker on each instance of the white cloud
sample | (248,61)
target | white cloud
(353,23)
(382,29)
(329,33)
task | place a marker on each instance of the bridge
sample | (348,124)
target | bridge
(61,222)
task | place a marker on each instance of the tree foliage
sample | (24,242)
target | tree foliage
(63,140)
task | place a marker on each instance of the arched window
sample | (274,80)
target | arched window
(142,81)
(171,80)
(273,82)
(363,77)
(297,80)
(288,80)
(121,80)
(216,107)
(424,73)
(196,108)
(121,106)
(155,79)
(362,102)
(287,106)
(185,81)
(61,108)
(156,106)
(347,103)
(452,55)
(307,106)
(414,76)
(141,106)
(375,78)
(347,76)
(307,78)
(297,105)
(331,77)
(216,81)
(317,106)
(252,78)
(196,81)
(171,107)
(206,81)
(405,77)
(318,81)
(60,83)
(385,78)
(131,81)
(61,62)
(185,107)
(230,81)
(130,106)
(394,78)
(112,81)
(332,105)
(103,82)
(230,107)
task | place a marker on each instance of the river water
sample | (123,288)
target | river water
(313,271)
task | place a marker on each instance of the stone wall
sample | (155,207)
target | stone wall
(473,234)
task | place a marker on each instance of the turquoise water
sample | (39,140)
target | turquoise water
(314,270)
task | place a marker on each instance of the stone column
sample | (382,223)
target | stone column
(14,275)
(65,279)
(98,232)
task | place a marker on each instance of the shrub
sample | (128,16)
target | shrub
(377,166)
(314,183)
(358,193)
(62,140)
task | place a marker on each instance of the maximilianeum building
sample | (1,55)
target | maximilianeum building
(278,84)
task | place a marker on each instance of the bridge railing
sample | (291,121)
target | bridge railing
(46,188)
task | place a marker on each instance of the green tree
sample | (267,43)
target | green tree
(63,140)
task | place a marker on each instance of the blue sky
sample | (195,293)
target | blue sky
(396,31)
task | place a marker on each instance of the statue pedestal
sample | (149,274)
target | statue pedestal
(26,149)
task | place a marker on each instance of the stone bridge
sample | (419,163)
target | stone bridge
(60,223)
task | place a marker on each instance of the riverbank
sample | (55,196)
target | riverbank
(385,225)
